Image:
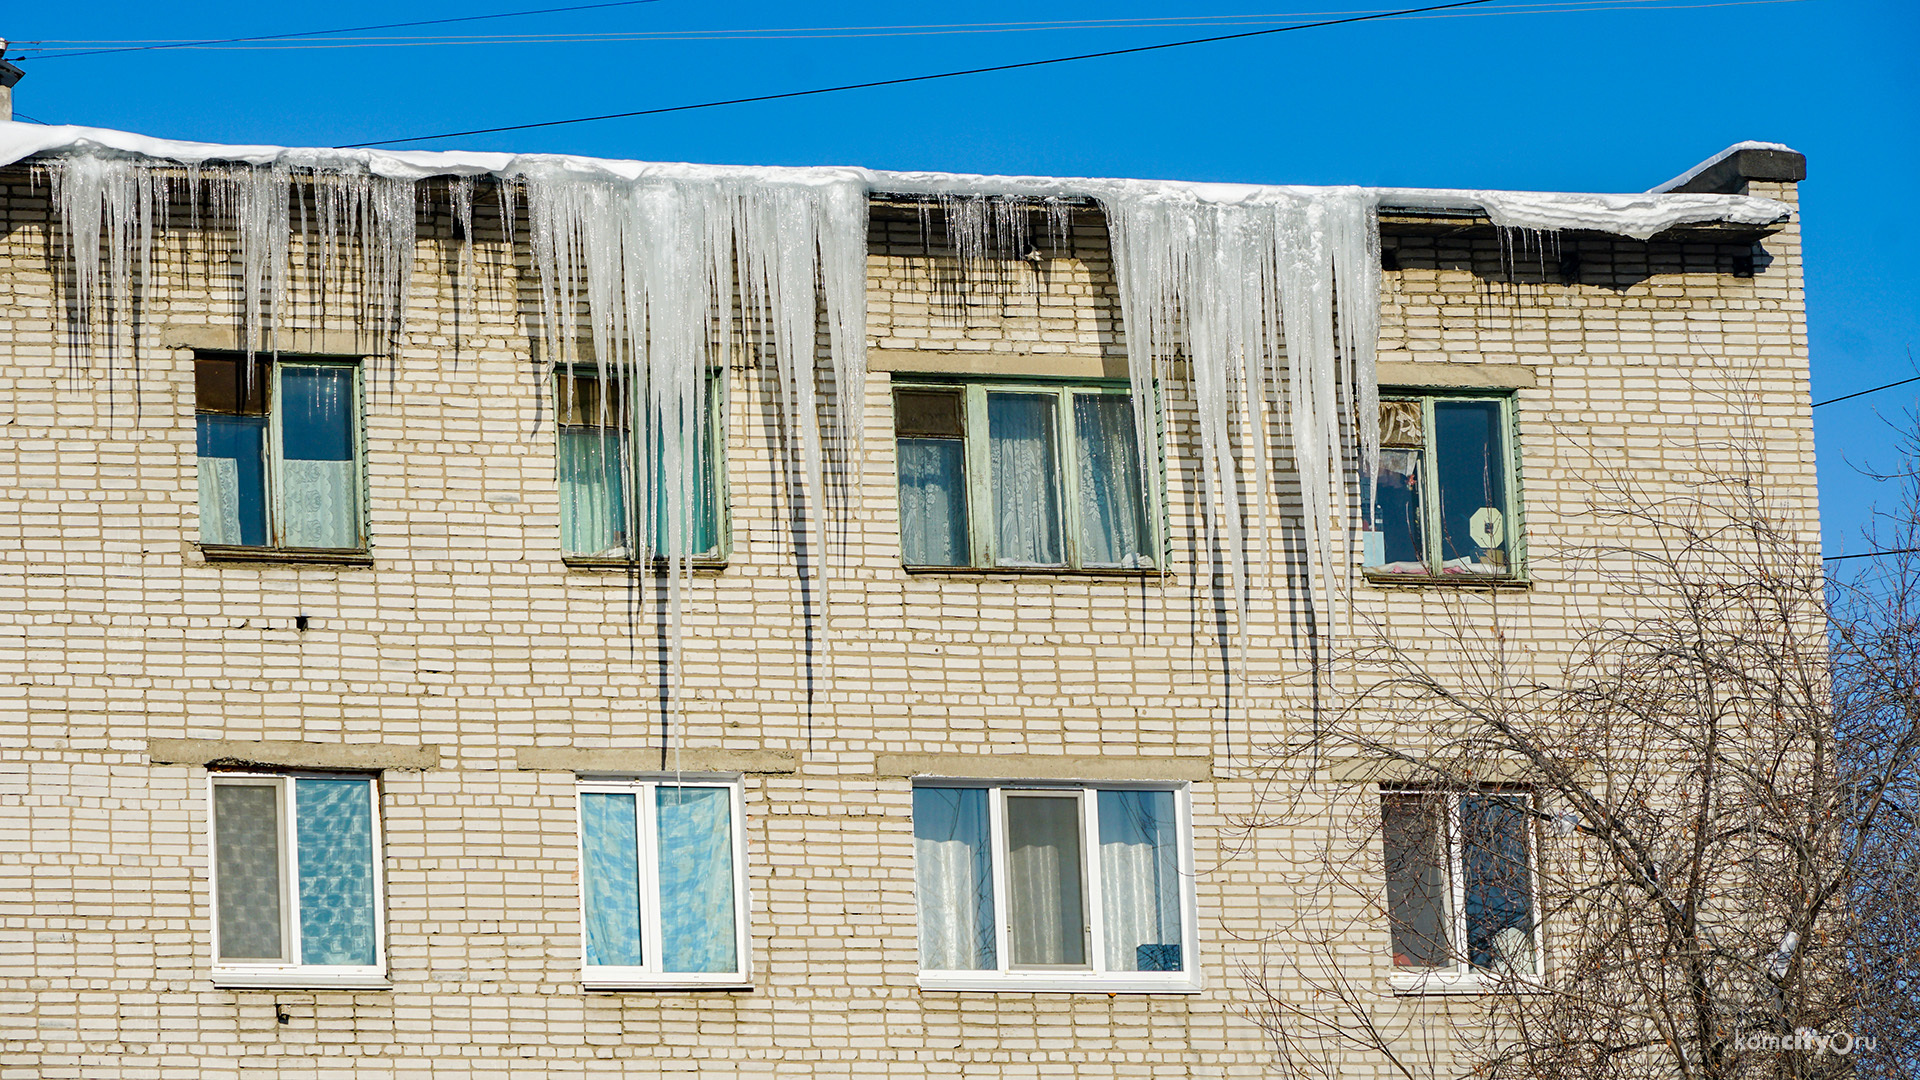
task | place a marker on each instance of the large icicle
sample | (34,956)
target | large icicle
(1233,289)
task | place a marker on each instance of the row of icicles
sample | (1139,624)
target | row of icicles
(1267,309)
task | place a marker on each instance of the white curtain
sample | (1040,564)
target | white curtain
(1113,515)
(319,503)
(219,500)
(593,511)
(933,502)
(1140,881)
(953,871)
(1046,922)
(1025,460)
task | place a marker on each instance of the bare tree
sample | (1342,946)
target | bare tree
(1689,846)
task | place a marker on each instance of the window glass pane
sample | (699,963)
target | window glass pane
(1499,887)
(933,502)
(233,479)
(1416,852)
(223,384)
(1396,544)
(1140,880)
(593,492)
(611,872)
(934,413)
(953,871)
(1025,471)
(692,482)
(333,831)
(1471,469)
(696,880)
(246,870)
(1045,898)
(1113,512)
(321,500)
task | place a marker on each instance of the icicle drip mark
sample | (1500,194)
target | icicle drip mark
(1232,289)
(650,266)
(991,242)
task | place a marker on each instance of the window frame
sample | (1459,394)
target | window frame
(1094,976)
(274,479)
(1514,511)
(977,451)
(293,974)
(1461,976)
(719,392)
(648,976)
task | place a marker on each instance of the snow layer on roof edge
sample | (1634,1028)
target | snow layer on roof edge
(1639,216)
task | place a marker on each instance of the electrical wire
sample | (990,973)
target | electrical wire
(281,42)
(1870,554)
(1863,393)
(341,30)
(923,78)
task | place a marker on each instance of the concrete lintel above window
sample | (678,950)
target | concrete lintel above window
(1442,373)
(341,343)
(1005,364)
(1001,766)
(641,760)
(1394,771)
(291,754)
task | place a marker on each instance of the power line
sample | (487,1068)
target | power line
(1870,554)
(1863,393)
(924,78)
(341,30)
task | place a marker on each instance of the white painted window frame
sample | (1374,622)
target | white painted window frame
(1094,976)
(1461,977)
(648,975)
(291,974)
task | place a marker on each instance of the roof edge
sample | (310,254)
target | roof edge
(1729,171)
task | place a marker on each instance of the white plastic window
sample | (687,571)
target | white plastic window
(663,883)
(297,882)
(1054,887)
(1461,886)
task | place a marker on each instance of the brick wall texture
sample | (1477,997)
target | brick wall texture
(468,632)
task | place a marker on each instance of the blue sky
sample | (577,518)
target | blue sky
(1616,95)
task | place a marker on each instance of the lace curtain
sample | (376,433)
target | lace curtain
(1140,880)
(1113,514)
(1023,447)
(933,502)
(953,870)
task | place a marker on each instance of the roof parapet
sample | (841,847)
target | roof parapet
(1729,171)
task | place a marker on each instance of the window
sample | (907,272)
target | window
(663,883)
(609,496)
(1460,885)
(1023,475)
(1054,887)
(1444,496)
(296,881)
(279,448)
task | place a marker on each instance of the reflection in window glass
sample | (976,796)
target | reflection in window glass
(1442,500)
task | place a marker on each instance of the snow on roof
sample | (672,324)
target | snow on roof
(1635,215)
(1715,160)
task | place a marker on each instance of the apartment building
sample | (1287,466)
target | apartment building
(475,615)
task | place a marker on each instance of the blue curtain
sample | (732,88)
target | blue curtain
(933,502)
(333,831)
(1140,880)
(1025,469)
(953,871)
(696,880)
(610,830)
(233,479)
(1113,512)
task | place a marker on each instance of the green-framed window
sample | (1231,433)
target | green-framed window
(611,495)
(1446,497)
(280,456)
(1022,475)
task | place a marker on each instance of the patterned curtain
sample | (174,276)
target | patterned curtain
(333,832)
(1023,447)
(696,880)
(609,832)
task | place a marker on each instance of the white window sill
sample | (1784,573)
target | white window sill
(622,981)
(1051,982)
(300,978)
(1455,981)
